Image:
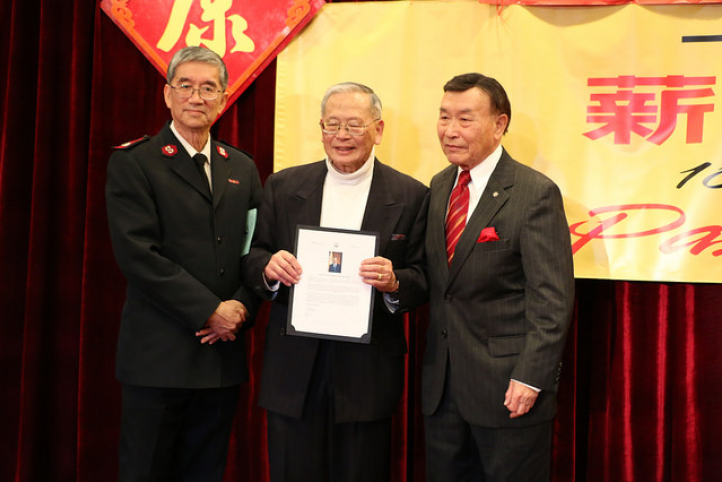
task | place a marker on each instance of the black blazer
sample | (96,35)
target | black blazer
(368,379)
(502,309)
(180,251)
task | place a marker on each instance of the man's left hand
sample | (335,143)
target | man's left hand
(379,273)
(228,310)
(519,399)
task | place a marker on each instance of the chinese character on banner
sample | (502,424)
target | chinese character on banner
(247,34)
(636,108)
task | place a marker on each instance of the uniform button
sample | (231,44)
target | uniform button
(222,271)
(447,298)
(444,333)
(283,330)
(218,240)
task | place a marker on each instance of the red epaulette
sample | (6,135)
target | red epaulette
(133,143)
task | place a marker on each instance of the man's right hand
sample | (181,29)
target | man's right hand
(283,267)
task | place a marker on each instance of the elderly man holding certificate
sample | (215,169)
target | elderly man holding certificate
(330,399)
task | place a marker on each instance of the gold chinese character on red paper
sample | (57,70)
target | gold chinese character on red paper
(247,34)
(214,13)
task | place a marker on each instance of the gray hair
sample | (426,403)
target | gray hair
(351,87)
(198,54)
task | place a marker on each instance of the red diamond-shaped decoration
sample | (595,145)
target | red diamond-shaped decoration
(247,34)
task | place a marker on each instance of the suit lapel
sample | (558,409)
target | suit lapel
(382,209)
(305,203)
(492,199)
(436,219)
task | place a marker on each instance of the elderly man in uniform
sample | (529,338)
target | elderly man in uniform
(177,207)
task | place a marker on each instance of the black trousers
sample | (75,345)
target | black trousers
(175,434)
(458,451)
(317,448)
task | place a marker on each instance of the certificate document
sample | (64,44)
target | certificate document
(331,301)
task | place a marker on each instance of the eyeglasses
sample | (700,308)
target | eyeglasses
(185,91)
(332,128)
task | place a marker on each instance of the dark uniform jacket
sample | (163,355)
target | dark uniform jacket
(180,250)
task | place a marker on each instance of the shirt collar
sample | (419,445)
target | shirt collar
(206,151)
(484,169)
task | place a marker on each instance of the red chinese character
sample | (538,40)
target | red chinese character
(671,108)
(624,111)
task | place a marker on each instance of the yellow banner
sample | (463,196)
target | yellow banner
(619,105)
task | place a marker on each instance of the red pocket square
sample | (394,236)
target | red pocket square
(487,234)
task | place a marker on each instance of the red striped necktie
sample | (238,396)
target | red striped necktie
(456,217)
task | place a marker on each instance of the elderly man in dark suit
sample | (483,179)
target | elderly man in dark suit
(502,291)
(330,402)
(178,227)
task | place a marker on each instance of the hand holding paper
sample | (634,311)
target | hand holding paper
(284,267)
(332,301)
(379,273)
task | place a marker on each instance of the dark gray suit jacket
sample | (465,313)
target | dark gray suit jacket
(180,250)
(368,379)
(502,309)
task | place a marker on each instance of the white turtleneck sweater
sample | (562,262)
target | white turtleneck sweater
(345,196)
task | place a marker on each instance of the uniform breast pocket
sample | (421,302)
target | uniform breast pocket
(234,189)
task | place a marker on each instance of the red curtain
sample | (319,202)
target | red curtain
(641,391)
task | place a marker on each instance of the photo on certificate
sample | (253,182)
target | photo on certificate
(331,301)
(334,261)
